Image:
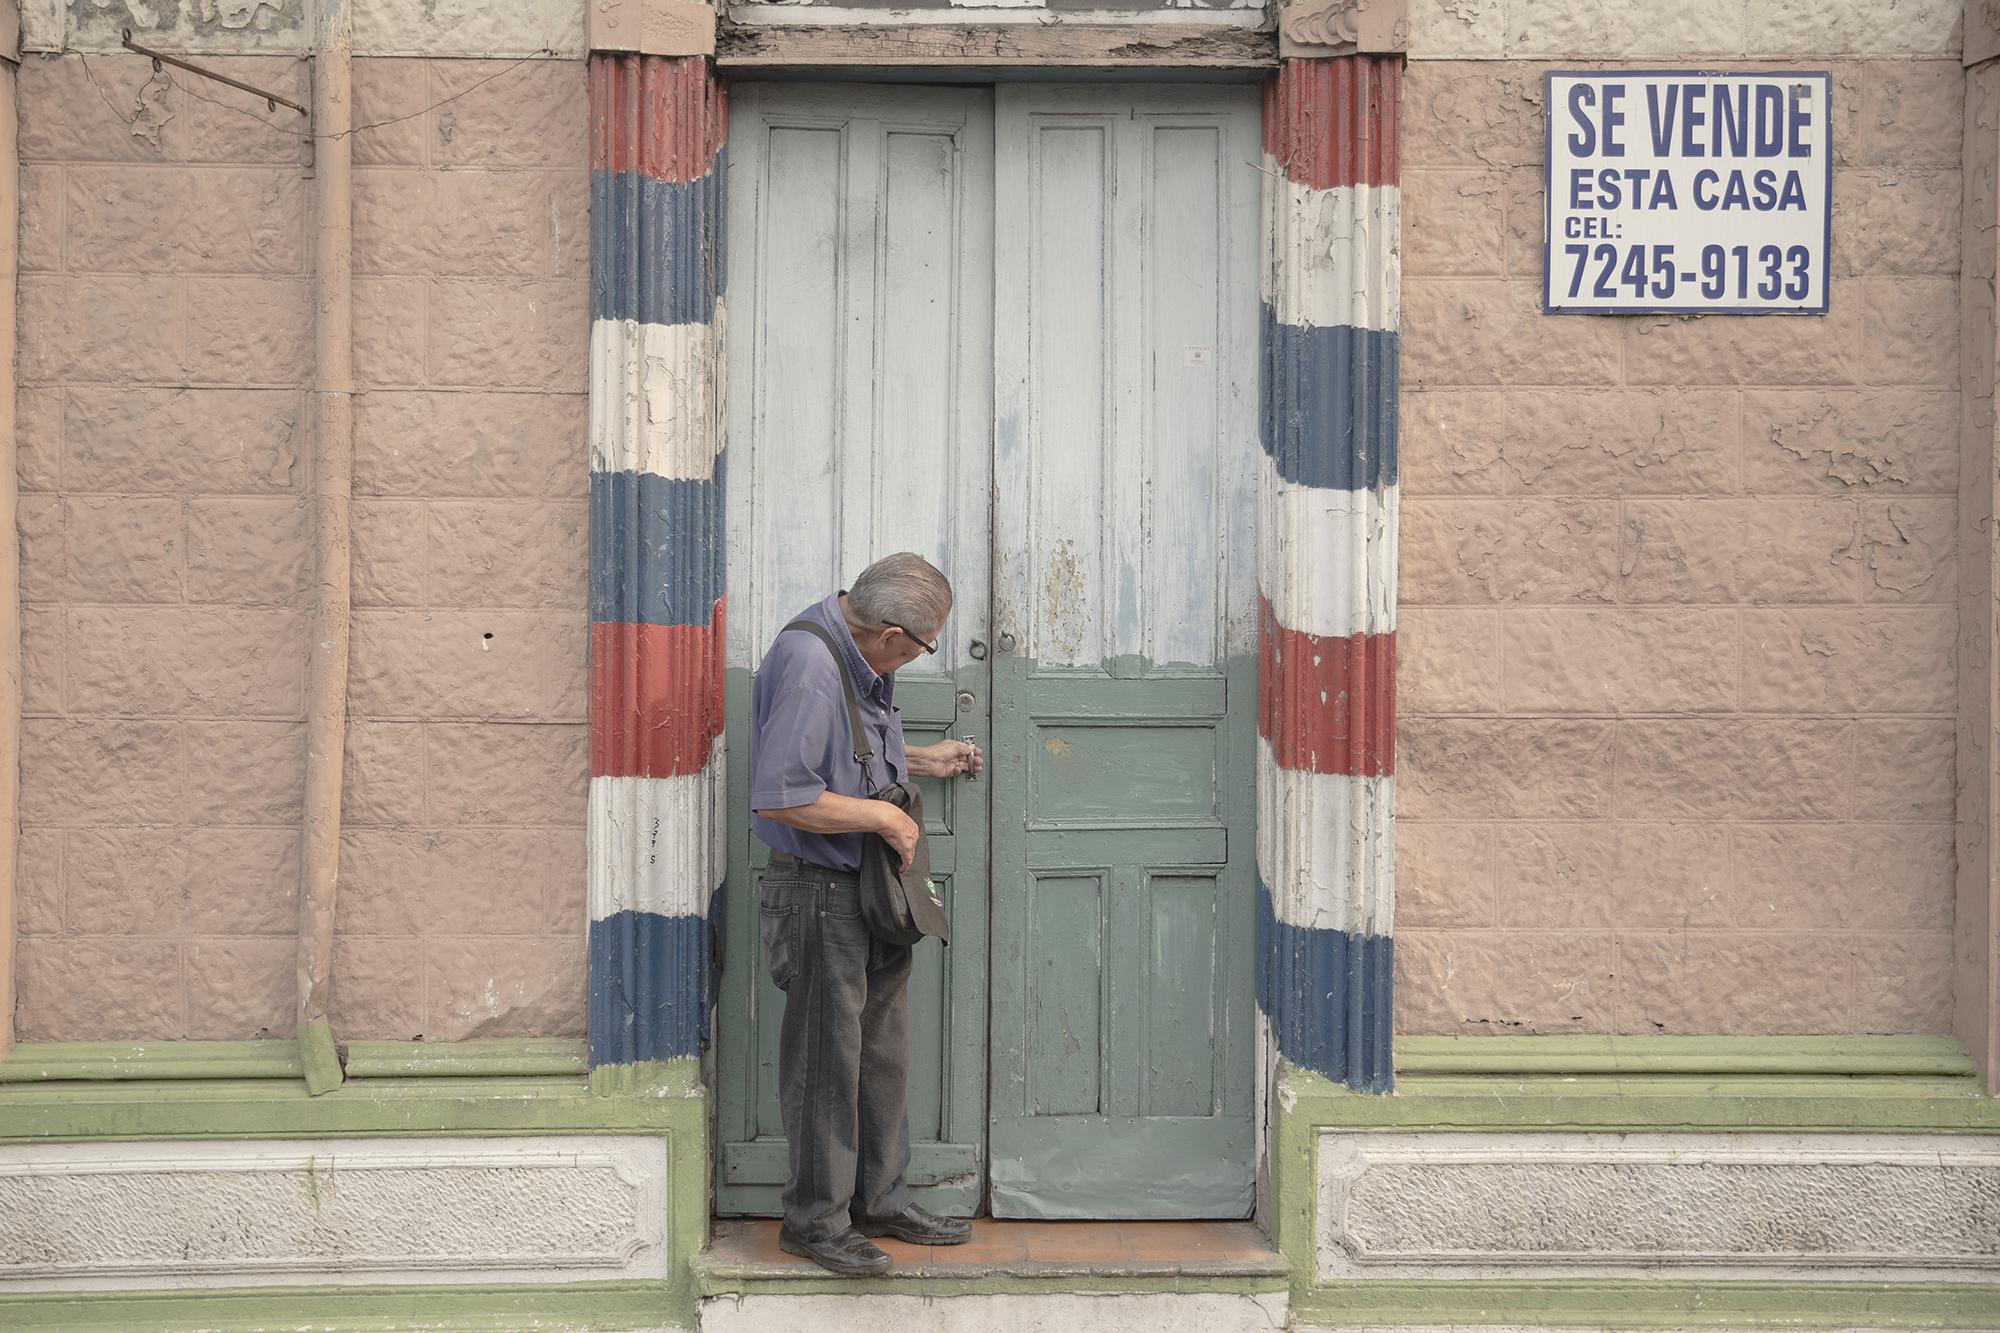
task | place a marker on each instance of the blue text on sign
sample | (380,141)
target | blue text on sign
(1694,120)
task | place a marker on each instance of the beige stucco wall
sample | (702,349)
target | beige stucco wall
(469,748)
(166,338)
(1677,622)
(1678,603)
(463,851)
(165,335)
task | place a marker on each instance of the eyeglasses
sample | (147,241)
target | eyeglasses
(912,636)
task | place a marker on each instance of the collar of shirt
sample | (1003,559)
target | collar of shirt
(866,682)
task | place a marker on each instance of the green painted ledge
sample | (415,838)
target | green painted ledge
(211,1089)
(1602,1304)
(1884,1084)
(195,1090)
(438,1309)
(105,1061)
(1941,1057)
(1632,1084)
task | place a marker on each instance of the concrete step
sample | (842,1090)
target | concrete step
(1021,1277)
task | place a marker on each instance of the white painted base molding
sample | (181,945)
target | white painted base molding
(1772,1207)
(110,1216)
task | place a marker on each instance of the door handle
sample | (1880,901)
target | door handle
(977,648)
(966,701)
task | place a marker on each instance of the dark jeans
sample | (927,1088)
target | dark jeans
(843,1052)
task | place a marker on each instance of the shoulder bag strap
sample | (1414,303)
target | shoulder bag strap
(863,751)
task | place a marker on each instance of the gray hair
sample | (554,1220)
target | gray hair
(902,589)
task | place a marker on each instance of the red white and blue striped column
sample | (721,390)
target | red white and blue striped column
(1327,565)
(656,821)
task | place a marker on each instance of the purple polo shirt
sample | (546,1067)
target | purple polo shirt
(799,745)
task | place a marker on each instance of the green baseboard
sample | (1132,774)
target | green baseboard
(1943,1057)
(191,1090)
(440,1309)
(89,1093)
(1601,1304)
(167,1061)
(116,1061)
(1916,1085)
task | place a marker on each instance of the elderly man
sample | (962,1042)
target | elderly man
(843,1052)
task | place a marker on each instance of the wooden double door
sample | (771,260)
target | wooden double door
(1015,329)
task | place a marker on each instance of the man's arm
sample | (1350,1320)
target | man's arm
(831,813)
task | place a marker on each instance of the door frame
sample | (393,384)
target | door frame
(735,949)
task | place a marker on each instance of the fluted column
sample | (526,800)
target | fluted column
(656,818)
(1327,563)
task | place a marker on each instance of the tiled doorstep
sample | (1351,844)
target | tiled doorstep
(749,1251)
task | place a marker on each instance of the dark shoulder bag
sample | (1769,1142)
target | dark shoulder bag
(899,906)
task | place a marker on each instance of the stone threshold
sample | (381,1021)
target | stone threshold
(1010,1255)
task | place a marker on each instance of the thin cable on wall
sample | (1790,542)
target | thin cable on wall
(171,82)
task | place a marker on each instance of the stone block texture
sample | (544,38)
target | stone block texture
(166,348)
(342,1212)
(1692,1207)
(1677,594)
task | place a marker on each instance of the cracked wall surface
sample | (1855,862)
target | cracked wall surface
(166,339)
(1677,600)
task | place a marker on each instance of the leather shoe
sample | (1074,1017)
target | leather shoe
(918,1226)
(848,1253)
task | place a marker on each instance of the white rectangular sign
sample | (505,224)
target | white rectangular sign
(1682,191)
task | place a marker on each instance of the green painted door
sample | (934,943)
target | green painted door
(860,417)
(1123,890)
(1024,344)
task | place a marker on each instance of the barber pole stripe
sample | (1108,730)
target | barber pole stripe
(662,238)
(656,555)
(659,117)
(1330,123)
(1326,715)
(1329,843)
(656,825)
(1347,274)
(649,867)
(1327,406)
(656,705)
(655,405)
(1326,704)
(1326,559)
(1328,996)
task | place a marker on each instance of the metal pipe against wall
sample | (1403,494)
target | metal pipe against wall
(332,489)
(1976,943)
(10,556)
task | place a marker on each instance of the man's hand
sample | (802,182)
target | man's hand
(946,759)
(829,813)
(899,831)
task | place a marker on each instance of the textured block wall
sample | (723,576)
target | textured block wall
(166,338)
(1677,593)
(462,852)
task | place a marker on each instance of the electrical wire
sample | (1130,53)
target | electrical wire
(276,128)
